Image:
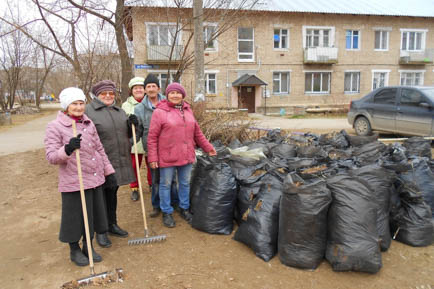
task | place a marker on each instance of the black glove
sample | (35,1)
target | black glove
(132,119)
(110,181)
(74,143)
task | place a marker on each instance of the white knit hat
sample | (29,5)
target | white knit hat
(69,95)
(136,81)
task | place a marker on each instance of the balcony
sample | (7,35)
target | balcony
(416,57)
(321,55)
(158,54)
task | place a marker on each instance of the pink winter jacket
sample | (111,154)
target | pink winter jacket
(172,138)
(94,162)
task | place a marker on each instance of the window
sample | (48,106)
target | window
(386,96)
(381,40)
(208,35)
(352,39)
(245,44)
(281,38)
(412,40)
(352,82)
(163,35)
(211,83)
(281,82)
(318,38)
(162,78)
(379,79)
(317,82)
(411,97)
(411,78)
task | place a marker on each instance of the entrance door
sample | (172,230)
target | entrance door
(246,99)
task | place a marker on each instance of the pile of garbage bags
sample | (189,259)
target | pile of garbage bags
(310,197)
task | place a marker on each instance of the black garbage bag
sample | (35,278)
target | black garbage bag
(411,222)
(311,151)
(418,146)
(214,205)
(339,154)
(369,153)
(352,239)
(381,181)
(235,143)
(421,175)
(260,224)
(283,151)
(264,146)
(299,163)
(356,141)
(302,237)
(304,139)
(247,192)
(395,158)
(336,139)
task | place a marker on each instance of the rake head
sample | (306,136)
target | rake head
(147,240)
(97,279)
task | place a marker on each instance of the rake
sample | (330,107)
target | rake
(93,279)
(146,239)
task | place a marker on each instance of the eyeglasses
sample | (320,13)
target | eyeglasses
(110,93)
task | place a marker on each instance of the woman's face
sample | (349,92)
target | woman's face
(76,108)
(174,97)
(138,92)
(107,97)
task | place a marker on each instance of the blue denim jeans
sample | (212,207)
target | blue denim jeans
(166,178)
(155,196)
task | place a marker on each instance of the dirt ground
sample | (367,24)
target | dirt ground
(33,257)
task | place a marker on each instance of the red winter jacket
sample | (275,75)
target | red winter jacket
(172,138)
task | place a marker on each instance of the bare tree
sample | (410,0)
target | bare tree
(199,72)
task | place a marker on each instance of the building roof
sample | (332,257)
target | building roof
(248,79)
(415,8)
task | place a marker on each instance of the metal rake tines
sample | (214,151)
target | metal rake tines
(147,240)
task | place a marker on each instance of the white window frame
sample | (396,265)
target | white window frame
(322,28)
(215,42)
(386,79)
(382,30)
(280,48)
(358,83)
(280,82)
(162,24)
(318,71)
(158,74)
(403,72)
(253,46)
(409,30)
(207,73)
(359,39)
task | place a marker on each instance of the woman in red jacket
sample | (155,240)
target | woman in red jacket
(173,136)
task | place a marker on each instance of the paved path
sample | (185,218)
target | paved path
(30,136)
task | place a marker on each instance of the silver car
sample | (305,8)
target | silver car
(406,110)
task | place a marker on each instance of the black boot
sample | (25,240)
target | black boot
(96,257)
(103,240)
(116,231)
(186,215)
(168,220)
(134,195)
(77,256)
(155,212)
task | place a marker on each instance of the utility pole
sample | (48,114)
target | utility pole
(199,74)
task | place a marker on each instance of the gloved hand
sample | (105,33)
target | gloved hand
(74,143)
(110,181)
(132,119)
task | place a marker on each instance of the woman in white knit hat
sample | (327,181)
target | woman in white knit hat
(60,147)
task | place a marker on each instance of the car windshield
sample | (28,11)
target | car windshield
(429,92)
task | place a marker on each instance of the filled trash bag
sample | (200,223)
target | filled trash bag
(411,223)
(214,204)
(283,151)
(381,181)
(369,153)
(299,163)
(311,151)
(421,174)
(352,239)
(260,224)
(357,141)
(302,237)
(418,146)
(335,139)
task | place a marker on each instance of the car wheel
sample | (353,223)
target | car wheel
(362,126)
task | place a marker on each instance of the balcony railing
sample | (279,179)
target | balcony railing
(416,57)
(162,54)
(325,55)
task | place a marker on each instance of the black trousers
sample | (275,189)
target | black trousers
(72,222)
(111,203)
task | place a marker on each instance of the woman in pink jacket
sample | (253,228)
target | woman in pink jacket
(173,136)
(60,147)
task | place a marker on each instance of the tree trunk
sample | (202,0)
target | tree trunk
(127,70)
(198,51)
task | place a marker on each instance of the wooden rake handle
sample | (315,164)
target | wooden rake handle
(83,204)
(142,202)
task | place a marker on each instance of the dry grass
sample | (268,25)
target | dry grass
(18,119)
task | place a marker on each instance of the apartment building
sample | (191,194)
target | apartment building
(281,56)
